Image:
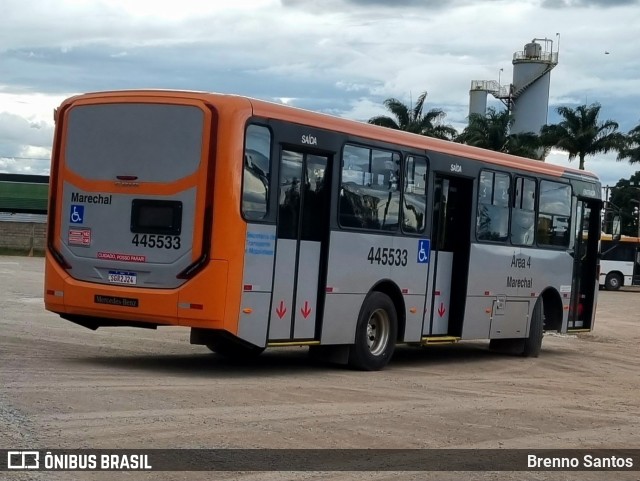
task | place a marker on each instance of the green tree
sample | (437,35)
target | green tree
(581,134)
(631,150)
(492,131)
(625,198)
(411,119)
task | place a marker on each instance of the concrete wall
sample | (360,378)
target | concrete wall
(26,238)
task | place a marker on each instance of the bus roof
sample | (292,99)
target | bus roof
(297,115)
(363,129)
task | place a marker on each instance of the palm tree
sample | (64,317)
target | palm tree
(631,149)
(411,119)
(492,131)
(580,134)
(624,198)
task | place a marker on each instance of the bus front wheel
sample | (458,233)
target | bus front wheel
(613,281)
(376,333)
(533,342)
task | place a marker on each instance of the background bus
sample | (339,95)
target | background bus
(259,225)
(619,262)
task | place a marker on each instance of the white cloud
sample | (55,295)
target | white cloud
(336,56)
(34,107)
(24,166)
(605,166)
(17,129)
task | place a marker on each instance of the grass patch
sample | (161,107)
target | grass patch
(12,251)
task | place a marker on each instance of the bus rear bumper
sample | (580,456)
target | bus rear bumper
(96,305)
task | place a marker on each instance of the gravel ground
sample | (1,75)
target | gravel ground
(63,386)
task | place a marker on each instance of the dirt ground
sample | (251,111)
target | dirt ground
(64,386)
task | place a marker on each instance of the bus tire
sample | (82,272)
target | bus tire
(376,333)
(233,348)
(613,281)
(533,342)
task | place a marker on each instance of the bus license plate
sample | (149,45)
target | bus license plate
(119,277)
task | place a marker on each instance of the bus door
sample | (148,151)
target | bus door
(302,236)
(449,267)
(584,282)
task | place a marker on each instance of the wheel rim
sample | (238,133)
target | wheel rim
(613,282)
(378,329)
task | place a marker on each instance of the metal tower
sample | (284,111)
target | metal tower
(527,97)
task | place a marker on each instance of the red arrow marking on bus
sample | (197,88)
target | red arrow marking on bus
(306,310)
(281,310)
(441,309)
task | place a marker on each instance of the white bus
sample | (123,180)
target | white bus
(620,262)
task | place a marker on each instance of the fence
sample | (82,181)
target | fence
(22,238)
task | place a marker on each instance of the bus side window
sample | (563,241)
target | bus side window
(257,168)
(355,168)
(414,203)
(543,233)
(554,214)
(523,212)
(493,206)
(369,189)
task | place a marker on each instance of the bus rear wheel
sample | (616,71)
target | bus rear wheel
(613,281)
(376,333)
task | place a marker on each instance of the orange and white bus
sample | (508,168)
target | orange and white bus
(259,225)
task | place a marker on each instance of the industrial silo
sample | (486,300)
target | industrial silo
(527,97)
(478,97)
(530,88)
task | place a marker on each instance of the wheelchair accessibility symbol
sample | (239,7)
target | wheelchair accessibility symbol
(424,250)
(76,216)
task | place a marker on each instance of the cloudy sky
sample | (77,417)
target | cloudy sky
(342,57)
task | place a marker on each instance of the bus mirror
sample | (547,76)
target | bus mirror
(615,228)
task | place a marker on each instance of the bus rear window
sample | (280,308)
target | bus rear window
(153,142)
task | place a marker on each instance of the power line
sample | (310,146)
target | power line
(24,158)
